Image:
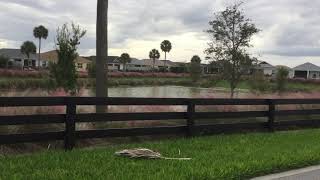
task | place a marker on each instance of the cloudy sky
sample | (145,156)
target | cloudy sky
(290,28)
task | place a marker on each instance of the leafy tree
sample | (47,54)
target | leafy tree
(64,72)
(166,47)
(28,48)
(281,78)
(40,32)
(154,54)
(195,68)
(102,52)
(231,34)
(4,61)
(124,59)
(92,69)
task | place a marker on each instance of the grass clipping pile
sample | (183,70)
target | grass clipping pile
(143,153)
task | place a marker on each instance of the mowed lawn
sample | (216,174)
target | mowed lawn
(215,157)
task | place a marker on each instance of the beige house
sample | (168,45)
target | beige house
(81,63)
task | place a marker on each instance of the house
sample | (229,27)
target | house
(111,61)
(307,71)
(136,65)
(266,68)
(157,63)
(81,63)
(19,60)
(161,64)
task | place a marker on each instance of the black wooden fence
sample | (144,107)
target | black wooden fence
(70,118)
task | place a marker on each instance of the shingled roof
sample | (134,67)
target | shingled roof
(307,67)
(16,54)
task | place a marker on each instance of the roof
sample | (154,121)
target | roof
(170,63)
(307,67)
(16,54)
(110,59)
(283,66)
(52,56)
(149,62)
(265,65)
(136,61)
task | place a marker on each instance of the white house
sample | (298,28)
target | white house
(136,65)
(266,68)
(307,71)
(19,60)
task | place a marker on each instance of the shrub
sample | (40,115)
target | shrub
(4,62)
(281,79)
(259,82)
(92,70)
(195,68)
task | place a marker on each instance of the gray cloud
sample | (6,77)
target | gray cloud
(290,27)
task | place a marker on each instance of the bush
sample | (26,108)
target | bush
(4,62)
(195,68)
(10,73)
(281,79)
(259,82)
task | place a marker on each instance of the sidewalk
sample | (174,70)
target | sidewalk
(309,173)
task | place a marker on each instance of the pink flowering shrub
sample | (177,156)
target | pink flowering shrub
(23,74)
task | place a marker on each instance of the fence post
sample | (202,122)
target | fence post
(190,119)
(69,141)
(271,115)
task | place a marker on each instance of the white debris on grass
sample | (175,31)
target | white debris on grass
(144,153)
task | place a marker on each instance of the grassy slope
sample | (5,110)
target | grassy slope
(216,157)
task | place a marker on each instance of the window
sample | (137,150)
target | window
(44,63)
(25,63)
(79,65)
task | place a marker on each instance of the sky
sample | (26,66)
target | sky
(290,28)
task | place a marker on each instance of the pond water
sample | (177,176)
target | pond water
(167,92)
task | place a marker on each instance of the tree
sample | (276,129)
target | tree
(92,69)
(231,35)
(154,54)
(40,32)
(4,61)
(102,52)
(64,72)
(124,59)
(195,68)
(28,48)
(166,48)
(281,78)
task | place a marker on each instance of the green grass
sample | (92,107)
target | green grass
(216,157)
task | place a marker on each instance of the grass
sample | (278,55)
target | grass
(216,157)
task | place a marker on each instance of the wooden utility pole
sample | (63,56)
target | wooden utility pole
(102,52)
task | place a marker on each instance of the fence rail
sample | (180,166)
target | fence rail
(71,118)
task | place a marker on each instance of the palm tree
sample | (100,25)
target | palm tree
(124,59)
(40,32)
(196,59)
(102,51)
(28,48)
(166,48)
(195,68)
(154,54)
